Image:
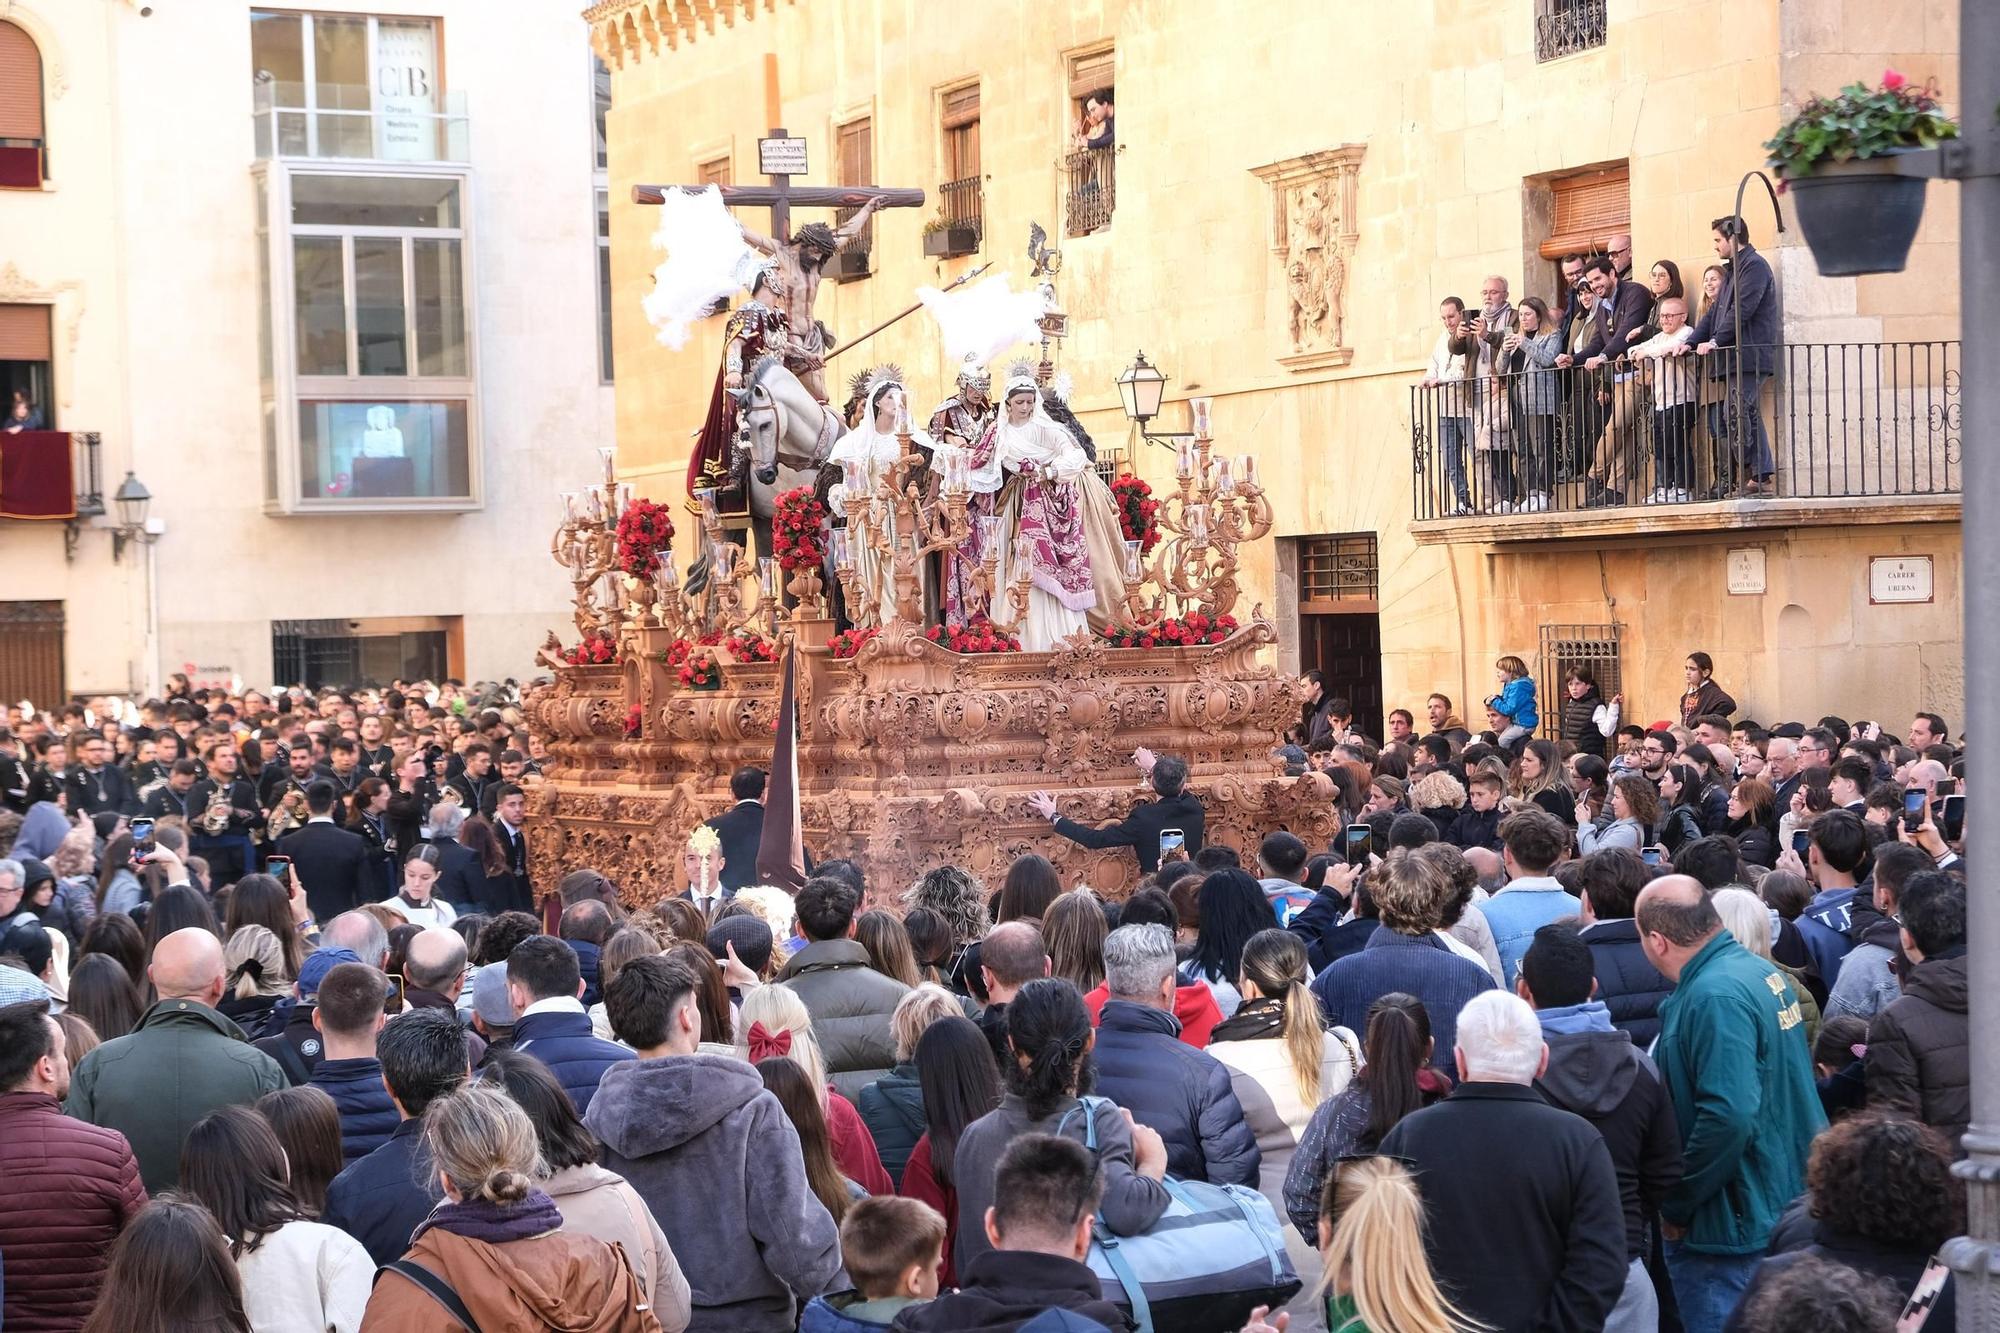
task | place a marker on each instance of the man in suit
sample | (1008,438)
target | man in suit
(741,828)
(331,863)
(459,874)
(510,807)
(1141,829)
(1617,323)
(96,784)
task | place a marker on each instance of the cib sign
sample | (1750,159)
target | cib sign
(781,157)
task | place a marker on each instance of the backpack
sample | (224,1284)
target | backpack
(1217,1253)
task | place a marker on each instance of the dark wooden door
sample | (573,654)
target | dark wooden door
(31,653)
(1347,649)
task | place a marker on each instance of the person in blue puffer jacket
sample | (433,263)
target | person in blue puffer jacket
(347,1013)
(1516,700)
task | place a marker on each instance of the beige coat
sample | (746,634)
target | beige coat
(596,1202)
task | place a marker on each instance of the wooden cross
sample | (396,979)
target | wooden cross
(781,194)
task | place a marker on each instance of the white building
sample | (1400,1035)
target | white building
(330,285)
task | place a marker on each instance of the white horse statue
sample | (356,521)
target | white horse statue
(791,433)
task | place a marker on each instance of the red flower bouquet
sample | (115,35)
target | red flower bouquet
(635,717)
(600,649)
(795,529)
(1189,631)
(848,642)
(1138,512)
(701,672)
(751,648)
(645,530)
(976,636)
(678,652)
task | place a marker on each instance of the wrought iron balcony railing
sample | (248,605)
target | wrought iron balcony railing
(1565,27)
(1090,176)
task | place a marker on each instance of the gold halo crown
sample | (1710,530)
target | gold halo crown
(886,373)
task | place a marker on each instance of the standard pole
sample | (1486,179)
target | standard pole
(1975,1257)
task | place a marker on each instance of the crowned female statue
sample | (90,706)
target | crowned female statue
(866,454)
(1057,518)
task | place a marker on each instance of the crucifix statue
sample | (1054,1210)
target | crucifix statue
(798,260)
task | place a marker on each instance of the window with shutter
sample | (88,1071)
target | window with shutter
(21,144)
(856,164)
(1589,208)
(961,107)
(24,333)
(714,172)
(1092,72)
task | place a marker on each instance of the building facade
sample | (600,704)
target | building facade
(335,305)
(1288,193)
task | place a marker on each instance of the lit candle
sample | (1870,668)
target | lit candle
(609,460)
(1184,462)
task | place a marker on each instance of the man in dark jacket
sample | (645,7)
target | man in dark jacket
(331,863)
(1012,955)
(1596,1072)
(182,1061)
(96,784)
(741,828)
(383,1198)
(348,1016)
(545,984)
(1919,1054)
(1045,1195)
(850,1002)
(461,879)
(679,1126)
(67,1189)
(1521,1199)
(1183,1094)
(1141,829)
(1742,323)
(1627,982)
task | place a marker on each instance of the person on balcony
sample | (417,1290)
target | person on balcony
(1622,307)
(1452,361)
(1674,392)
(1528,358)
(22,415)
(1741,324)
(1097,129)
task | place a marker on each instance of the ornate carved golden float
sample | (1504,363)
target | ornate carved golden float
(911,755)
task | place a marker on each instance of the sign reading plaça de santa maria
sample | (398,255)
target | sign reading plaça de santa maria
(1900,578)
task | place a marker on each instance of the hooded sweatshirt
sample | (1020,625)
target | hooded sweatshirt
(42,830)
(704,1127)
(1596,1072)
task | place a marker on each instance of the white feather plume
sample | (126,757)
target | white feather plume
(984,319)
(706,261)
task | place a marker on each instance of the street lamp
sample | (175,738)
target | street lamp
(1141,386)
(132,499)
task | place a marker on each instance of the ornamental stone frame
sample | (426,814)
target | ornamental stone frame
(1313,234)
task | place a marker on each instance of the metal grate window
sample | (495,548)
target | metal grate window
(1336,573)
(31,653)
(1565,27)
(1565,646)
(1110,462)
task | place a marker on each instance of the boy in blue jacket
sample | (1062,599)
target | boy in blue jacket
(1515,702)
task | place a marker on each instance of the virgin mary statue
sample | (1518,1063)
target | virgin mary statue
(1057,519)
(866,454)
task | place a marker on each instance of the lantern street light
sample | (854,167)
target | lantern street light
(132,499)
(1141,386)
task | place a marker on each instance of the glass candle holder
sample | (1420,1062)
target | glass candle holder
(1134,561)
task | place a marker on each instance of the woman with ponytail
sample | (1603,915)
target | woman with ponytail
(496,1246)
(1049,1074)
(1371,1239)
(1282,1064)
(1395,1079)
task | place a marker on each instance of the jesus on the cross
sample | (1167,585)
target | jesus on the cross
(799,265)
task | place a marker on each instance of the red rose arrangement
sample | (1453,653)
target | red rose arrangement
(848,642)
(1138,512)
(678,652)
(976,636)
(1187,631)
(645,530)
(600,649)
(701,672)
(635,717)
(751,648)
(795,529)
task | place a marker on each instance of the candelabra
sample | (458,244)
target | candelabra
(1217,504)
(586,544)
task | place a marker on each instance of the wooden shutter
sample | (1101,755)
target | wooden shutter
(1589,210)
(24,333)
(713,173)
(1092,73)
(961,107)
(20,84)
(857,152)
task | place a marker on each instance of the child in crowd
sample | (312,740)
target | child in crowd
(1515,702)
(1478,825)
(892,1248)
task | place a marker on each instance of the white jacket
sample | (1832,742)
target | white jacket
(306,1277)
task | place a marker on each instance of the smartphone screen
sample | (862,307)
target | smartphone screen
(1173,842)
(1913,801)
(1800,841)
(1951,820)
(1945,787)
(1651,855)
(278,867)
(142,838)
(1359,843)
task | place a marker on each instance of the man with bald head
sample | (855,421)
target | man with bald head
(1011,956)
(434,978)
(1732,1053)
(182,1061)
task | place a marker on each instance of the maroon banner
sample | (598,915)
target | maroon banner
(37,475)
(781,857)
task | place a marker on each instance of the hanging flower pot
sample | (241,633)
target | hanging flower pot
(1838,156)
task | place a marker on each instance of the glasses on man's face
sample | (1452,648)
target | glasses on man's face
(1616,253)
(1653,750)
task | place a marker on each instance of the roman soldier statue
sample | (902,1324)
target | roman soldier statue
(756,328)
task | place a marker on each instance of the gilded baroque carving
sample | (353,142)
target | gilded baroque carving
(1313,234)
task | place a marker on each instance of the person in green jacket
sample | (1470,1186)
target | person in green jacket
(1733,1055)
(182,1061)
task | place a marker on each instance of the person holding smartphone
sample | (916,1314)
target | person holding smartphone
(1142,830)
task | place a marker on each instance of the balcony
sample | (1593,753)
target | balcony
(1090,189)
(1853,433)
(51,474)
(1565,27)
(287,129)
(960,222)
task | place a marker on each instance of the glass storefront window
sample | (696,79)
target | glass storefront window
(394,450)
(375,201)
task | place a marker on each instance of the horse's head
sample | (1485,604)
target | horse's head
(763,423)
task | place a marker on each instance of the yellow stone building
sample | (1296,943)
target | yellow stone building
(1294,187)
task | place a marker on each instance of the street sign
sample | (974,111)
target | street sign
(1900,578)
(781,157)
